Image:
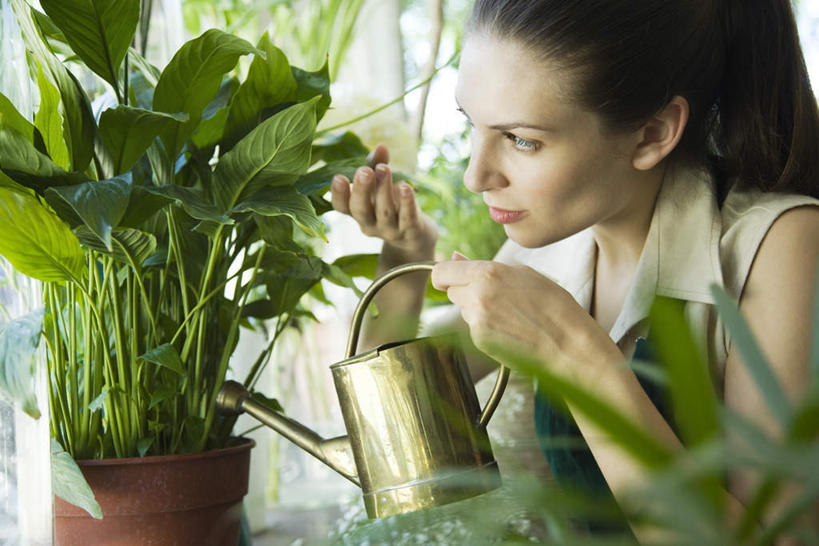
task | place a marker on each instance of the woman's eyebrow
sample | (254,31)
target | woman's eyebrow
(512,125)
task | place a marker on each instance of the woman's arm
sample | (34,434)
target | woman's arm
(778,306)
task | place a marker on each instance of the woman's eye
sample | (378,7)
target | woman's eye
(522,144)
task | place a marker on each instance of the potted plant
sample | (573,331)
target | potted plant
(159,226)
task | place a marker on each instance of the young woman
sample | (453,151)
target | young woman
(630,149)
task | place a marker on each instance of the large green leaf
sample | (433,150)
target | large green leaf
(284,200)
(337,147)
(192,78)
(49,122)
(192,201)
(127,132)
(69,483)
(99,31)
(18,348)
(36,241)
(21,161)
(131,246)
(79,127)
(278,146)
(269,82)
(755,362)
(100,204)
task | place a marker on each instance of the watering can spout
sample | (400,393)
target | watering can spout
(337,452)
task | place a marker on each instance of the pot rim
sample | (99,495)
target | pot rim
(243,445)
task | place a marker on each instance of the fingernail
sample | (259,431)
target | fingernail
(380,171)
(458,256)
(336,182)
(405,190)
(365,177)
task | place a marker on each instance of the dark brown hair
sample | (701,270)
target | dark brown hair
(738,63)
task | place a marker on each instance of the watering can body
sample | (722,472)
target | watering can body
(416,432)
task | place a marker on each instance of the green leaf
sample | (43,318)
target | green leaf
(211,129)
(99,31)
(758,367)
(270,403)
(98,402)
(317,181)
(10,118)
(166,356)
(192,201)
(144,444)
(79,127)
(142,207)
(130,246)
(269,83)
(192,78)
(284,201)
(339,147)
(19,340)
(49,252)
(21,161)
(358,265)
(278,146)
(100,204)
(69,483)
(692,391)
(314,84)
(49,122)
(127,132)
(164,392)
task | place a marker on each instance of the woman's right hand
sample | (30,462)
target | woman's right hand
(386,210)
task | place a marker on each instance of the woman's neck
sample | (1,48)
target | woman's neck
(620,241)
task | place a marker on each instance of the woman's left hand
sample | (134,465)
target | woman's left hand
(516,308)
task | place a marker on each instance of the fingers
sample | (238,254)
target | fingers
(407,209)
(386,212)
(340,193)
(361,197)
(380,154)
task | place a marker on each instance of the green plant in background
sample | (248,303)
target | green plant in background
(684,500)
(159,225)
(465,225)
(309,30)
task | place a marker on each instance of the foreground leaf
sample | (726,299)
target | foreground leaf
(99,31)
(69,483)
(36,241)
(130,246)
(192,201)
(19,340)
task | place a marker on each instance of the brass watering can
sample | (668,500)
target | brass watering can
(416,432)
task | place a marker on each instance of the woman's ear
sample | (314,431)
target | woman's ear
(661,134)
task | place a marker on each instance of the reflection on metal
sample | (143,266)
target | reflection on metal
(416,432)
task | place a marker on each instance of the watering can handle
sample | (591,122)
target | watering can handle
(369,294)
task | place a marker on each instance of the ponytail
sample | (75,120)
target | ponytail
(768,129)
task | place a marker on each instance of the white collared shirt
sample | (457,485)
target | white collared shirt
(691,244)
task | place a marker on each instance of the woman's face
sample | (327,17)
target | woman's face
(544,166)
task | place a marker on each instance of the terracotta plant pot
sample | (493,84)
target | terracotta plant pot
(191,499)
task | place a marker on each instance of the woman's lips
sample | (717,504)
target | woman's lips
(502,216)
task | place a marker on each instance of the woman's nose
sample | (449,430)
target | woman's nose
(483,172)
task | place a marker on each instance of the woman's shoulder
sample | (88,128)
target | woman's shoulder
(749,215)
